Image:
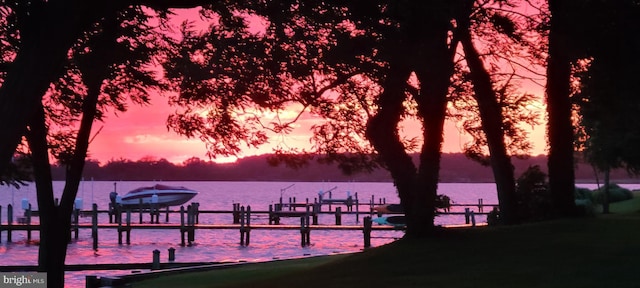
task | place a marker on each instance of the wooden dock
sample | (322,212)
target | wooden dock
(241,220)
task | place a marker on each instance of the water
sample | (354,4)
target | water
(222,245)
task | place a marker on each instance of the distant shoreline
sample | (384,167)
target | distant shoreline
(454,168)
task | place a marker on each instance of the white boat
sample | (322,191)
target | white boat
(160,194)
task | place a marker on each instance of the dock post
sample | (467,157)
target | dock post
(270,214)
(197,212)
(9,221)
(156,213)
(236,213)
(128,227)
(480,205)
(248,227)
(242,226)
(152,213)
(466,215)
(140,209)
(182,228)
(119,220)
(473,219)
(156,260)
(338,215)
(28,215)
(76,223)
(172,254)
(302,232)
(166,219)
(315,212)
(308,229)
(305,231)
(1,224)
(110,212)
(276,218)
(357,209)
(372,205)
(91,281)
(94,226)
(117,209)
(366,230)
(191,236)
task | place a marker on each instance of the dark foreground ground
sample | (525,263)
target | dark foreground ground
(599,251)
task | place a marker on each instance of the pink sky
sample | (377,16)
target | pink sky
(142,132)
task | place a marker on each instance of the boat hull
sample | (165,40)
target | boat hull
(161,196)
(396,221)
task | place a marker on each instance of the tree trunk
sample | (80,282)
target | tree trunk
(559,127)
(55,222)
(605,192)
(382,132)
(491,115)
(434,69)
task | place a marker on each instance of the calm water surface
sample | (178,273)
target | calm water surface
(223,245)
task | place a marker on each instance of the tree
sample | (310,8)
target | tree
(108,62)
(559,124)
(607,93)
(362,71)
(491,114)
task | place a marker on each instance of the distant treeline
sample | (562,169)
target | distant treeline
(455,167)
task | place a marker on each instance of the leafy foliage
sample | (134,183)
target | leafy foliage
(616,194)
(532,192)
(18,173)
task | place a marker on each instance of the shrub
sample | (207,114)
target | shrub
(616,194)
(582,193)
(533,196)
(584,201)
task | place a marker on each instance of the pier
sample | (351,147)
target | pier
(241,218)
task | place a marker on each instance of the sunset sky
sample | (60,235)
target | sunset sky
(142,132)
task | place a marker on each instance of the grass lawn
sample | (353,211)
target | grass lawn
(600,251)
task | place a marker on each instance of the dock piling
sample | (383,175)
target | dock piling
(466,215)
(305,231)
(366,230)
(94,226)
(182,227)
(236,213)
(191,231)
(245,229)
(76,222)
(140,210)
(473,219)
(9,222)
(27,214)
(172,254)
(156,260)
(128,228)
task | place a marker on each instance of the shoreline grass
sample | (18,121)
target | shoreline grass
(599,251)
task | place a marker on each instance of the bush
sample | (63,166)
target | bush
(584,201)
(582,193)
(533,196)
(616,194)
